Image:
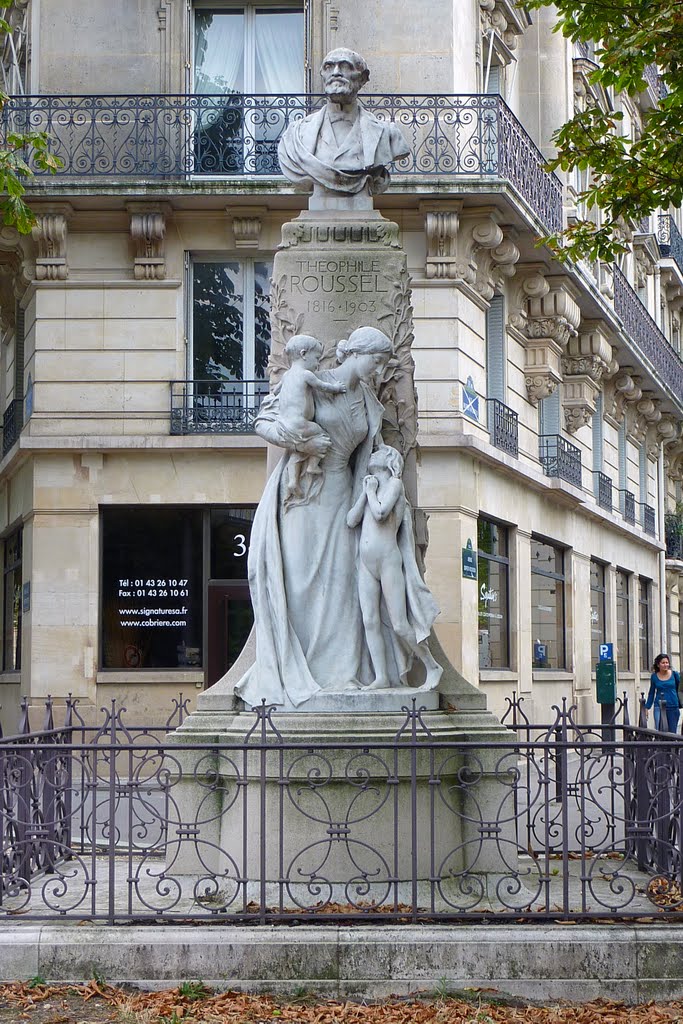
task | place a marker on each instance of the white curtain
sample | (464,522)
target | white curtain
(279,48)
(219,52)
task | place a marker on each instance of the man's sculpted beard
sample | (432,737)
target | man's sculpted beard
(340,91)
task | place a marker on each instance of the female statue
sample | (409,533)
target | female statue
(303,559)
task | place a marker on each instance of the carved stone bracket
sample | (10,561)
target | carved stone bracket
(504,18)
(622,390)
(542,370)
(645,262)
(586,361)
(529,283)
(148,230)
(247,225)
(552,319)
(667,434)
(470,247)
(16,273)
(50,235)
(642,419)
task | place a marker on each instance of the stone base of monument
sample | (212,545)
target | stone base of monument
(347,808)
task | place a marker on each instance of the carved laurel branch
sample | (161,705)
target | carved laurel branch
(285,324)
(396,391)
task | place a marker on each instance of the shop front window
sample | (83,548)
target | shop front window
(597,589)
(547,605)
(151,588)
(623,655)
(12,591)
(493,568)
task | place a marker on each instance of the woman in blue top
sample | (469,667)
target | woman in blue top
(664,686)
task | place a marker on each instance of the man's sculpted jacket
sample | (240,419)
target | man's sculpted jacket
(309,153)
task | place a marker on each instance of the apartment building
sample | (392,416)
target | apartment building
(135,338)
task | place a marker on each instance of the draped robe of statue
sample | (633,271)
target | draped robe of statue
(303,566)
(309,152)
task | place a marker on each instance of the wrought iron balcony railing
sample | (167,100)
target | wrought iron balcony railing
(630,507)
(560,458)
(176,137)
(649,520)
(670,239)
(673,531)
(12,422)
(643,330)
(503,425)
(215,406)
(604,491)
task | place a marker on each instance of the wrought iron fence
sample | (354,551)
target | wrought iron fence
(560,458)
(121,823)
(604,494)
(12,422)
(670,239)
(673,531)
(649,522)
(215,406)
(630,507)
(503,425)
(171,137)
(643,330)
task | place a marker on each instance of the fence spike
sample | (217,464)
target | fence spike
(48,722)
(24,724)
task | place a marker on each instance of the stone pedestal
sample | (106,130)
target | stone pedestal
(347,809)
(339,270)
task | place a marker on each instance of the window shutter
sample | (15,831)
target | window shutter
(623,465)
(495,349)
(642,474)
(20,321)
(549,413)
(493,85)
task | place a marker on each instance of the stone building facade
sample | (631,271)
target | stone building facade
(135,335)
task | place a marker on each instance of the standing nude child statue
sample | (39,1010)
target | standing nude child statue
(388,569)
(297,407)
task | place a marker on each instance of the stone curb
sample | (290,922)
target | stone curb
(579,963)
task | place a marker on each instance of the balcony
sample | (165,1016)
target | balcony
(503,426)
(170,139)
(670,240)
(630,507)
(604,491)
(12,422)
(642,329)
(215,407)
(560,458)
(673,531)
(649,520)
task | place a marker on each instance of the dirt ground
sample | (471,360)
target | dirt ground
(192,1003)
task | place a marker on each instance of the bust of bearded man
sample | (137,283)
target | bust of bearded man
(342,147)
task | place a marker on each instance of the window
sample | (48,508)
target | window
(229,341)
(547,605)
(597,608)
(12,590)
(493,574)
(245,58)
(151,587)
(174,590)
(623,654)
(644,587)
